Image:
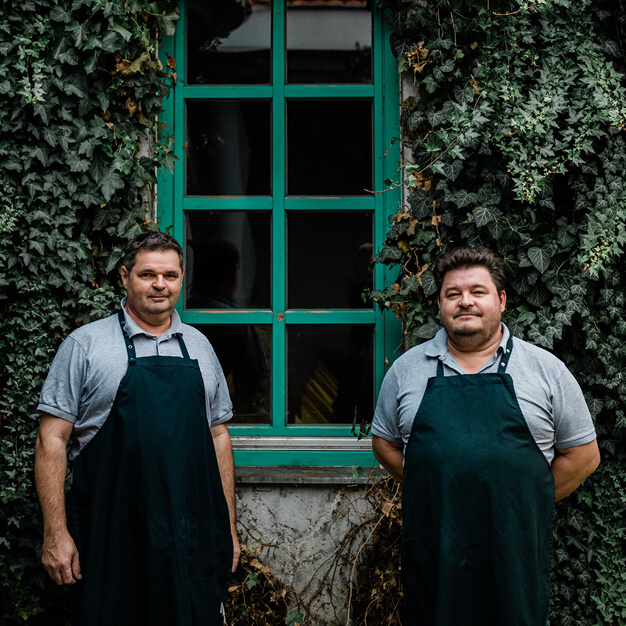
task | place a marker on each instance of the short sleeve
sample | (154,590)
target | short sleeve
(386,422)
(62,389)
(220,405)
(572,420)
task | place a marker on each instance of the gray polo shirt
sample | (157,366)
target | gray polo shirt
(549,396)
(87,370)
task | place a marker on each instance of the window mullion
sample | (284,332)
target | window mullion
(279,239)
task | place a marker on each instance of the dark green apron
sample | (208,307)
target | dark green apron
(148,509)
(478,504)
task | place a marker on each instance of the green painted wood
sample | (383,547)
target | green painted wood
(228,203)
(329,91)
(378,152)
(178,231)
(279,239)
(330,203)
(392,198)
(299,458)
(228,92)
(217,316)
(292,430)
(322,316)
(165,180)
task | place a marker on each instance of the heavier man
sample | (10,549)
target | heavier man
(152,503)
(486,431)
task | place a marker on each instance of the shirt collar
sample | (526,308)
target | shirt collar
(438,345)
(131,328)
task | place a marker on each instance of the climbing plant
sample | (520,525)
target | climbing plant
(516,130)
(81,87)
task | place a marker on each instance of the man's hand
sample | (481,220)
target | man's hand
(224,454)
(60,558)
(571,466)
(390,455)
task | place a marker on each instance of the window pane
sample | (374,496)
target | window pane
(330,374)
(228,42)
(329,147)
(228,260)
(245,354)
(229,148)
(328,259)
(329,41)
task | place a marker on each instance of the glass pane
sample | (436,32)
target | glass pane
(329,41)
(328,259)
(245,354)
(228,260)
(228,42)
(329,147)
(229,148)
(330,374)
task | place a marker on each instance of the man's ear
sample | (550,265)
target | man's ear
(124,275)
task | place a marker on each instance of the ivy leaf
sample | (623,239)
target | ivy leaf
(167,23)
(389,255)
(126,34)
(538,295)
(252,580)
(484,214)
(463,198)
(453,170)
(109,183)
(294,618)
(540,258)
(428,330)
(428,283)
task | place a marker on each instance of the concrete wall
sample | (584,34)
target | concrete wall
(301,516)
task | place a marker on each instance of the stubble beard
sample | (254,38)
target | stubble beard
(473,338)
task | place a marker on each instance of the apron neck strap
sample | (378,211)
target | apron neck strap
(183,347)
(504,361)
(439,367)
(128,342)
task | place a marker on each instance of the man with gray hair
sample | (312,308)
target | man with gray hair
(151,538)
(485,431)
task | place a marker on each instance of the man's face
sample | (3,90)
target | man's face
(470,306)
(153,284)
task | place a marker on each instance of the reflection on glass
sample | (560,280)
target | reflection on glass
(228,148)
(330,374)
(329,147)
(228,42)
(228,260)
(328,259)
(244,352)
(329,41)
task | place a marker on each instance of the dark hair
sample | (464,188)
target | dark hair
(153,241)
(463,258)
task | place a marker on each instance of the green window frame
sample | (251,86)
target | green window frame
(278,443)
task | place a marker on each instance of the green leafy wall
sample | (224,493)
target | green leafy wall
(80,86)
(517,135)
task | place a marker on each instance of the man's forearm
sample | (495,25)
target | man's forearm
(224,454)
(571,466)
(59,554)
(50,471)
(390,455)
